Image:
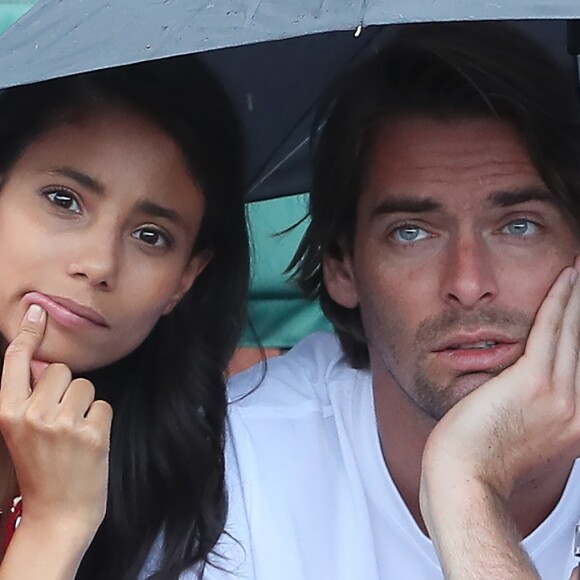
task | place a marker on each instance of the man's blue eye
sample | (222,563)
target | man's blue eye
(521,228)
(408,234)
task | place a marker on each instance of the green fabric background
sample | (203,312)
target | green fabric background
(10,12)
(278,312)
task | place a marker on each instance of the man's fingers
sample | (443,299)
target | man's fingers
(566,356)
(16,372)
(545,333)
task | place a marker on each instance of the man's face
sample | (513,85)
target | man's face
(457,242)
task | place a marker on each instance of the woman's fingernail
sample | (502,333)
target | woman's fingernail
(34,313)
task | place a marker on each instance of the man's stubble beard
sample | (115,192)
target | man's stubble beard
(431,397)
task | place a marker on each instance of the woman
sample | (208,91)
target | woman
(123,254)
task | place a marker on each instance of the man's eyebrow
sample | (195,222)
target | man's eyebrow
(524,195)
(405,205)
(153,209)
(499,199)
(81,178)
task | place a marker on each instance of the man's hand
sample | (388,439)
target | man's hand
(508,429)
(528,415)
(58,438)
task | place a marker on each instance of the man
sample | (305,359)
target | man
(445,209)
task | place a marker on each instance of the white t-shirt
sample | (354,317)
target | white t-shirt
(310,495)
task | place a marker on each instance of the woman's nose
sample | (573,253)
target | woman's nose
(96,259)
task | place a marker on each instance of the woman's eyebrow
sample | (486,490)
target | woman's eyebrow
(81,178)
(146,207)
(152,209)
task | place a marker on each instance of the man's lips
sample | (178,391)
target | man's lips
(473,340)
(66,311)
(480,351)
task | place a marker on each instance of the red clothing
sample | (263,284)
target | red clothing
(14,515)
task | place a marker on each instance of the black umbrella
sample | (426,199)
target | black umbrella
(275,56)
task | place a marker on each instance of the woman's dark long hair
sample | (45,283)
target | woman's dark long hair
(168,396)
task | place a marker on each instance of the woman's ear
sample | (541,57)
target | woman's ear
(194,268)
(340,280)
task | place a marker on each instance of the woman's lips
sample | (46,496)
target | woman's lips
(66,312)
(473,360)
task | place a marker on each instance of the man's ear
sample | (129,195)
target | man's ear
(339,279)
(194,268)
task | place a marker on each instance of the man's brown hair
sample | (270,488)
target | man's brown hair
(446,72)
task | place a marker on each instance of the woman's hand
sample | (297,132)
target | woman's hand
(58,438)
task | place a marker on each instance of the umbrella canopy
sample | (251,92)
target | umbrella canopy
(276,57)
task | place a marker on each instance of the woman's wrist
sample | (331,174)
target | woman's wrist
(43,549)
(72,533)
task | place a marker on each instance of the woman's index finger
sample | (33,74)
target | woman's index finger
(15,385)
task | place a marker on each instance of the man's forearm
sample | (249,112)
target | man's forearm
(470,528)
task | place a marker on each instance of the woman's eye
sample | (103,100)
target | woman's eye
(407,234)
(521,228)
(152,237)
(63,199)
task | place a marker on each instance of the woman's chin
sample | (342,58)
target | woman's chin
(77,360)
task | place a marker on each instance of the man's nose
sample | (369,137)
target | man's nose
(96,258)
(469,275)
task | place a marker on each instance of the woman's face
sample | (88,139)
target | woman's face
(97,222)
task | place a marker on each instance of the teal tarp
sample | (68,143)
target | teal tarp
(281,317)
(10,12)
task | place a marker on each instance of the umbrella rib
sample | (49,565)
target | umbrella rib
(264,173)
